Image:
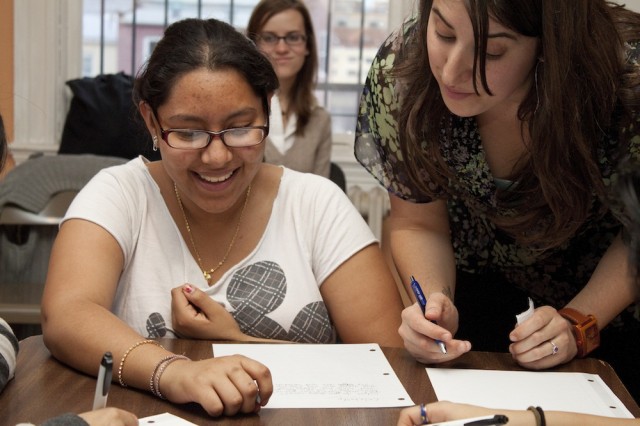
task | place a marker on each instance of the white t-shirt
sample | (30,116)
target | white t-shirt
(272,293)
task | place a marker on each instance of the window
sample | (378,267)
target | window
(59,40)
(112,27)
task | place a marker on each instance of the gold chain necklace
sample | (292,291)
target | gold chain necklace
(207,274)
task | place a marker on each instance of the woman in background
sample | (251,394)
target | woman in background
(300,133)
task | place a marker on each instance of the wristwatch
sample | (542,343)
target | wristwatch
(585,330)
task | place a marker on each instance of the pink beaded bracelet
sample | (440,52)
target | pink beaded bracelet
(154,383)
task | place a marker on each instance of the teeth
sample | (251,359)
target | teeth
(216,179)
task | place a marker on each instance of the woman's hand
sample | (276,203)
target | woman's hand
(226,385)
(444,411)
(196,315)
(544,340)
(420,333)
(109,416)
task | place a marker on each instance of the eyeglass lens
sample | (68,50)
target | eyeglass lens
(196,139)
(292,39)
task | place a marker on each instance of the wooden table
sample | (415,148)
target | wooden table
(43,388)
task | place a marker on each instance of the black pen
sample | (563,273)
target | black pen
(498,419)
(422,301)
(104,381)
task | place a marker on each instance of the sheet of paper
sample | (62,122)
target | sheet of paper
(164,419)
(325,376)
(522,317)
(575,392)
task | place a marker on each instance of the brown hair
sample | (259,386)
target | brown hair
(191,44)
(583,85)
(302,97)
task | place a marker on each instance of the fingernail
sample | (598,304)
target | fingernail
(188,289)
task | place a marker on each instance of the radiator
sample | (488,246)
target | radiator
(372,204)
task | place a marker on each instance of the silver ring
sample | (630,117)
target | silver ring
(555,349)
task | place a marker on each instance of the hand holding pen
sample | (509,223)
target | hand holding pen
(422,301)
(453,414)
(419,335)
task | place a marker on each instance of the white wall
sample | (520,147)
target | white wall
(631,4)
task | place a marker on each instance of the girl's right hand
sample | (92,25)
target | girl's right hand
(226,385)
(420,333)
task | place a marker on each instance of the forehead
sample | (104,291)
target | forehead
(204,88)
(285,21)
(455,13)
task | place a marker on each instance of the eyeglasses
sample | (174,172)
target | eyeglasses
(292,39)
(237,137)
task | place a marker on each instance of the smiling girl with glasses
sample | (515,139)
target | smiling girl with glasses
(210,242)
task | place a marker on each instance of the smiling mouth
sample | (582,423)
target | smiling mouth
(455,92)
(216,179)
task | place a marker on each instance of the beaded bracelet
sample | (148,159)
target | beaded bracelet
(539,415)
(126,354)
(152,386)
(159,370)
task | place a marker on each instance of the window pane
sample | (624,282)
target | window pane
(119,35)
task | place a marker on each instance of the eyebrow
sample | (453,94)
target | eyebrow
(195,119)
(288,32)
(502,34)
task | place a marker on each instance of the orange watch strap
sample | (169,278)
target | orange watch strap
(585,330)
(574,317)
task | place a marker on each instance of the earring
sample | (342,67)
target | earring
(155,142)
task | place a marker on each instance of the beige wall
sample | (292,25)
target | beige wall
(631,4)
(6,65)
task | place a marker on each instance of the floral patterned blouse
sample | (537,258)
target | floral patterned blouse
(552,278)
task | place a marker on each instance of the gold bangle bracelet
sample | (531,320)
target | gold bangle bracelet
(126,354)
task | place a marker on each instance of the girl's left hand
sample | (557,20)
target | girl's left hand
(196,315)
(542,341)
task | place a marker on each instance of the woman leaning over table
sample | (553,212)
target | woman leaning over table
(497,127)
(628,191)
(300,129)
(210,242)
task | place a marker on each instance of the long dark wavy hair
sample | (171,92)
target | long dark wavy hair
(191,44)
(584,86)
(302,97)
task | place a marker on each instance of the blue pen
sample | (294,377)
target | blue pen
(422,301)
